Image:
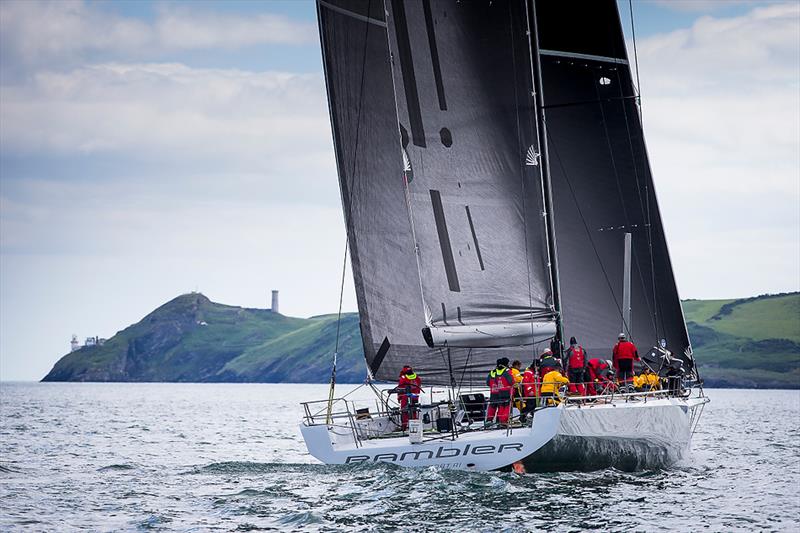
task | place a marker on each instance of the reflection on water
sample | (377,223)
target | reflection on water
(230,457)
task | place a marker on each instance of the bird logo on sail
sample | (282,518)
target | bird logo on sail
(532,157)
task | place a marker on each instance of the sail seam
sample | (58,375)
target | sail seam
(349,13)
(590,57)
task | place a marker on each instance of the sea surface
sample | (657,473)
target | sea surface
(229,457)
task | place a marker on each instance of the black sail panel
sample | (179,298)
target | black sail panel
(434,128)
(463,89)
(602,184)
(363,118)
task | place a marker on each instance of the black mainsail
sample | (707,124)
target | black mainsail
(440,162)
(602,184)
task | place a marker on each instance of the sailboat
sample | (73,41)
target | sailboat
(498,199)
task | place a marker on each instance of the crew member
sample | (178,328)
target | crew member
(576,367)
(647,381)
(548,362)
(408,388)
(530,389)
(550,385)
(516,373)
(500,383)
(625,354)
(598,374)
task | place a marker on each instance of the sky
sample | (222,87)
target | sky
(149,149)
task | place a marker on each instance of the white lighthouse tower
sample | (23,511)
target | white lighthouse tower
(73,345)
(275,301)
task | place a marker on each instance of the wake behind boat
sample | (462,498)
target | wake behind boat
(497,194)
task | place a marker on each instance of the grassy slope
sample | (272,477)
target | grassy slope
(701,310)
(191,338)
(772,318)
(171,344)
(310,347)
(748,342)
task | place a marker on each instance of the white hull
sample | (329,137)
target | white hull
(629,435)
(476,450)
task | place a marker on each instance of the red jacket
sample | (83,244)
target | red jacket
(500,382)
(598,369)
(576,357)
(530,384)
(625,350)
(408,385)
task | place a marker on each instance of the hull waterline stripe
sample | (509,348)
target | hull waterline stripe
(573,55)
(351,14)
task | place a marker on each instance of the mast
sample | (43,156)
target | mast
(626,287)
(547,191)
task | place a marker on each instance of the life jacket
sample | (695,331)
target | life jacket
(500,381)
(625,350)
(530,384)
(409,384)
(577,357)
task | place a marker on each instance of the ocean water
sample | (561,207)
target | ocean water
(229,457)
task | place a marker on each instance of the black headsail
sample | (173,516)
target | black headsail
(602,185)
(436,138)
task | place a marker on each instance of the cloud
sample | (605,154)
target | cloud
(721,105)
(701,6)
(182,28)
(203,122)
(66,32)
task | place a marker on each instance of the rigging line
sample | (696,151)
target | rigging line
(635,54)
(352,176)
(406,189)
(544,166)
(348,212)
(464,371)
(617,179)
(645,207)
(521,149)
(656,303)
(552,146)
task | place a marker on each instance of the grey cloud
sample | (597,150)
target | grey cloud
(53,33)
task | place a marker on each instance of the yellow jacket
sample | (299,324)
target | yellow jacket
(552,381)
(649,381)
(517,375)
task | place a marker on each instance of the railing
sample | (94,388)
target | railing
(343,413)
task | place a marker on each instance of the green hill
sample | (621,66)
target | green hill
(194,339)
(750,342)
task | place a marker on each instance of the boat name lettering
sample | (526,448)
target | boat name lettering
(441,453)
